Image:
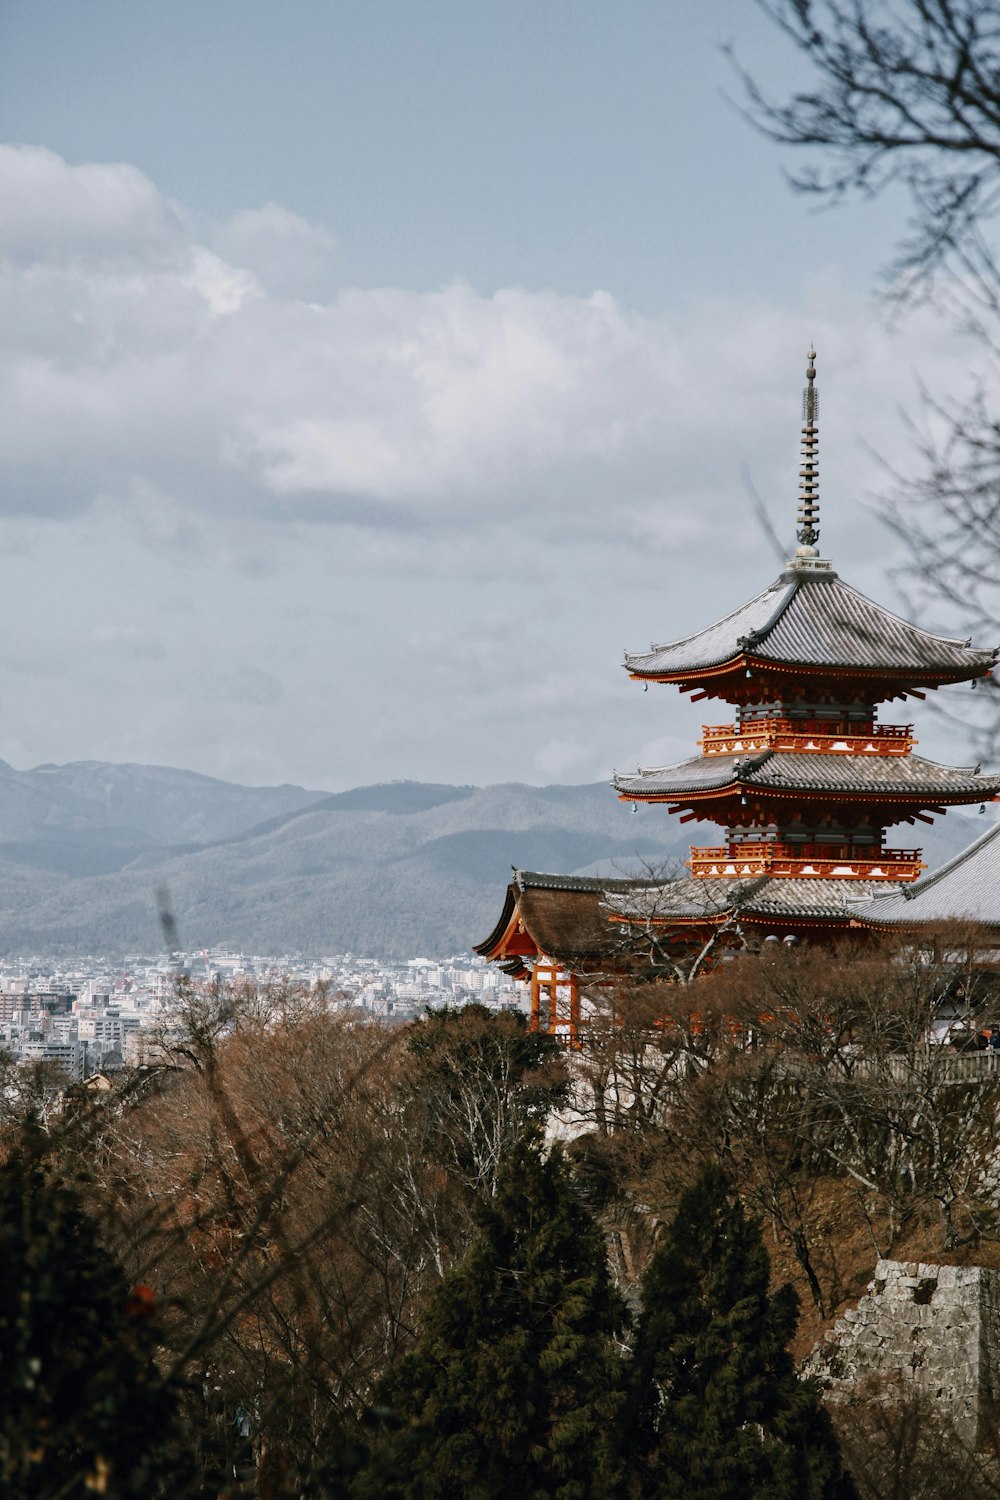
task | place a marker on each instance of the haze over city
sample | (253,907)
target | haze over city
(373,375)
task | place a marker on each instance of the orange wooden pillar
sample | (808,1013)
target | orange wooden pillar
(555,1002)
(574,1012)
(536,1001)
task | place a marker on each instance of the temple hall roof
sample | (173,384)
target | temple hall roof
(811,616)
(762,899)
(967,888)
(561,916)
(583,923)
(903,776)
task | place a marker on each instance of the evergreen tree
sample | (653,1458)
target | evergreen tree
(515,1387)
(83,1409)
(715,1410)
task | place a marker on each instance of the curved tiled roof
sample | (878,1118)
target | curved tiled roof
(524,879)
(762,898)
(967,888)
(811,616)
(561,914)
(884,776)
(702,774)
(684,898)
(807,898)
(712,647)
(895,774)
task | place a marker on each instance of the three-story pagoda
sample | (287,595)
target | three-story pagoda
(806,779)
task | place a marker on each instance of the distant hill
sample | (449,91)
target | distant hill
(151,803)
(383,871)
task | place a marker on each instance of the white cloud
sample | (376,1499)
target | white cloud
(96,211)
(523,484)
(139,360)
(223,288)
(289,256)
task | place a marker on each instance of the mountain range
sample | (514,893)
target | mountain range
(385,871)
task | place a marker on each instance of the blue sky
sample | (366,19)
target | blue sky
(374,373)
(568,144)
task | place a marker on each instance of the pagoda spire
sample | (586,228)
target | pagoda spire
(808,518)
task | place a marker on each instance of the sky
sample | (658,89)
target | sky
(374,374)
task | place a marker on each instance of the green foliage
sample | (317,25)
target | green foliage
(715,1410)
(515,1387)
(83,1408)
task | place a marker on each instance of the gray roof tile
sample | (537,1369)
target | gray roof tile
(538,880)
(762,897)
(831,623)
(881,773)
(808,898)
(698,775)
(817,619)
(888,775)
(711,647)
(966,888)
(678,898)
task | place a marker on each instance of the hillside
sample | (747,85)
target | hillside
(388,870)
(92,804)
(384,870)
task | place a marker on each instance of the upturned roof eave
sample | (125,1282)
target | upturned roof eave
(734,652)
(919,797)
(760,773)
(489,948)
(777,596)
(739,664)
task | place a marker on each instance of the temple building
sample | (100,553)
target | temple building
(554,933)
(965,889)
(807,781)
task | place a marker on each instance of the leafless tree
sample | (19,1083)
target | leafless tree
(270,1187)
(899,1445)
(906,93)
(647,1029)
(293,1185)
(845,1077)
(473,1081)
(814,1078)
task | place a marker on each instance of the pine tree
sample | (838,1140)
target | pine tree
(715,1410)
(83,1408)
(514,1389)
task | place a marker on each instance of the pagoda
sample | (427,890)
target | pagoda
(806,780)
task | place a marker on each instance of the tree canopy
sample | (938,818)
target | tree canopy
(715,1410)
(83,1408)
(514,1388)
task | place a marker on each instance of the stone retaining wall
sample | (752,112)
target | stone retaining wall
(934,1330)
